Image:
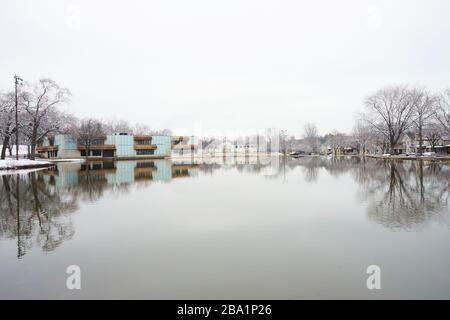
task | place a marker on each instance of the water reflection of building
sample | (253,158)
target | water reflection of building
(35,208)
(118,173)
(397,194)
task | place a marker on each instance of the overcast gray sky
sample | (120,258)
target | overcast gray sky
(226,65)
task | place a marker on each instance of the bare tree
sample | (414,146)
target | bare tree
(283,137)
(443,111)
(162,132)
(7,123)
(290,143)
(39,102)
(55,121)
(378,142)
(390,111)
(89,130)
(434,133)
(336,140)
(311,136)
(117,126)
(362,134)
(205,141)
(141,129)
(424,111)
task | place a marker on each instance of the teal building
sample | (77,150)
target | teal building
(116,146)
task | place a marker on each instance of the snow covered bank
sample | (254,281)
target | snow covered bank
(11,164)
(67,160)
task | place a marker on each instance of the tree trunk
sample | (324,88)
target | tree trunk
(391,147)
(4,147)
(422,189)
(33,144)
(420,141)
(393,140)
(33,151)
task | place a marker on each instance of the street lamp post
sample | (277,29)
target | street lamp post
(16,83)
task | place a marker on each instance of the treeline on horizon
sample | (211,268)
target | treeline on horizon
(389,113)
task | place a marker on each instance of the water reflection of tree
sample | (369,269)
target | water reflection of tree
(408,196)
(34,207)
(311,166)
(254,167)
(91,184)
(32,212)
(398,194)
(403,194)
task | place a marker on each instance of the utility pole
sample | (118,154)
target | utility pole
(16,83)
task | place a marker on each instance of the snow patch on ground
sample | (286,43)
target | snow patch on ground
(23,163)
(23,150)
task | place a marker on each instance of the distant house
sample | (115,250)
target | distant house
(226,148)
(346,151)
(406,144)
(444,147)
(410,143)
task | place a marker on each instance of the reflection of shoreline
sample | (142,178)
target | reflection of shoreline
(399,194)
(35,213)
(35,207)
(412,158)
(119,172)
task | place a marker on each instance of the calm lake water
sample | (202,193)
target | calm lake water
(232,228)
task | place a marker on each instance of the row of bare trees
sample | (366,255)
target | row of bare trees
(390,113)
(38,114)
(393,111)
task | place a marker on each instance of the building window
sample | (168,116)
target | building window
(179,152)
(108,165)
(96,153)
(108,153)
(83,153)
(144,175)
(144,152)
(182,172)
(145,164)
(145,142)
